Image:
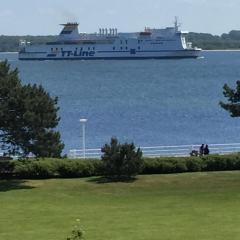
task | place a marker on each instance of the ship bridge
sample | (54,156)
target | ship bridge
(69,32)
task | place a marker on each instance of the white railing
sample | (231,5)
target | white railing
(163,151)
(89,153)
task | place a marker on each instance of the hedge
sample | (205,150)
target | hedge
(191,164)
(6,168)
(53,168)
(76,169)
(67,168)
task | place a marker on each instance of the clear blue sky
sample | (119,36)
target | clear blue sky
(20,17)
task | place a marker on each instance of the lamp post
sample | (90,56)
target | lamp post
(83,122)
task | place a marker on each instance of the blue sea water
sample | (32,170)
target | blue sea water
(149,102)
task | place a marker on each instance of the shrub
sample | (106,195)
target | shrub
(34,169)
(194,164)
(98,167)
(164,165)
(76,168)
(116,167)
(77,232)
(167,166)
(49,168)
(180,166)
(151,166)
(6,168)
(215,164)
(233,162)
(191,164)
(121,160)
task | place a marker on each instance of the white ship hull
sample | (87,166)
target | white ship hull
(111,56)
(150,44)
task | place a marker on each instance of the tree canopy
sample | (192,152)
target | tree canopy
(233,97)
(28,116)
(121,161)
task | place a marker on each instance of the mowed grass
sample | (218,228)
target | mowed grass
(179,206)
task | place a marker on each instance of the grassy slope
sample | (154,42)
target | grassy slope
(180,206)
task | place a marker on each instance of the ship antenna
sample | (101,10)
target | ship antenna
(176,24)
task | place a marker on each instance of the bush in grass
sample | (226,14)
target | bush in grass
(121,161)
(77,232)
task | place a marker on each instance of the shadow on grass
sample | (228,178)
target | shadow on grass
(8,185)
(103,180)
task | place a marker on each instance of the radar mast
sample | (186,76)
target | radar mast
(176,24)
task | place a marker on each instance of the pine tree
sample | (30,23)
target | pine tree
(28,116)
(121,161)
(233,97)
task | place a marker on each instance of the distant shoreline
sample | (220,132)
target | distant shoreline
(224,42)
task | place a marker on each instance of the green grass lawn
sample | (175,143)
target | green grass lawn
(179,206)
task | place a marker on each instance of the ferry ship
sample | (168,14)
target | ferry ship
(151,43)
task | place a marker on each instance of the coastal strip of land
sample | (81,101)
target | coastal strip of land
(206,41)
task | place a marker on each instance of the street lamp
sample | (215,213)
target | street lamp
(83,122)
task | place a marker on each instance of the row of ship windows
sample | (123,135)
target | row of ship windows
(126,41)
(93,48)
(56,49)
(121,48)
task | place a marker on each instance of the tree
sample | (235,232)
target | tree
(233,97)
(28,116)
(121,161)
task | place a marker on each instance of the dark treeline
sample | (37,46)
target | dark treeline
(205,41)
(208,41)
(11,43)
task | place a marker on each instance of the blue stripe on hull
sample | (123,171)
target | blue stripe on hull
(111,58)
(150,51)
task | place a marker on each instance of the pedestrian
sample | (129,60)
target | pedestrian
(201,150)
(206,150)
